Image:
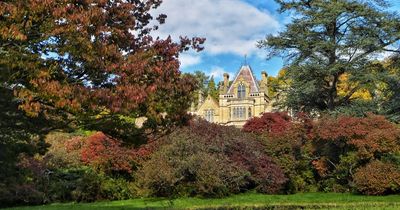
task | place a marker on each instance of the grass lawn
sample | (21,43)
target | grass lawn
(243,201)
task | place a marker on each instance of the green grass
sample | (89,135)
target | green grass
(243,201)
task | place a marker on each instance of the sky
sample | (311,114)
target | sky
(231,28)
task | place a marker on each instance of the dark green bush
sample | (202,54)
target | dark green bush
(82,185)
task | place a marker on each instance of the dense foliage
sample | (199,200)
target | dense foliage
(378,178)
(209,160)
(332,153)
(77,167)
(93,63)
(19,135)
(287,142)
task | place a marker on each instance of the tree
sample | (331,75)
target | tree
(93,63)
(342,145)
(329,39)
(212,89)
(392,86)
(202,88)
(18,135)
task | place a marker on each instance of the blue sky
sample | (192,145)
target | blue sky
(232,28)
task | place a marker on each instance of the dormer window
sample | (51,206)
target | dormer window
(241,92)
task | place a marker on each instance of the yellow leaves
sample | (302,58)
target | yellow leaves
(278,83)
(345,87)
(282,73)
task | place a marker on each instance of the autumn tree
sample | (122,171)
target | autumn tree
(329,39)
(93,63)
(344,144)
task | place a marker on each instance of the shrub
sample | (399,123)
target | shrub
(245,150)
(343,144)
(209,160)
(377,178)
(287,142)
(185,168)
(371,136)
(346,143)
(108,155)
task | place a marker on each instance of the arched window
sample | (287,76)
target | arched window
(241,91)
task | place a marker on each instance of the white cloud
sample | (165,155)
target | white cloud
(189,60)
(218,73)
(230,26)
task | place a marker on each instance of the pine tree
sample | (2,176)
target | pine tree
(326,40)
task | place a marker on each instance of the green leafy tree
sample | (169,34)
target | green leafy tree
(327,39)
(392,94)
(201,88)
(19,135)
(212,88)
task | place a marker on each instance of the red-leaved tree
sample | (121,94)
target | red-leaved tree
(93,62)
(106,154)
(272,123)
(343,145)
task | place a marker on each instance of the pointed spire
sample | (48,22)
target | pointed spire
(245,59)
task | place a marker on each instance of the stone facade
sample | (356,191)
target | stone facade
(239,100)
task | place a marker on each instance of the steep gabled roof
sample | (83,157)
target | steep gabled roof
(246,73)
(209,102)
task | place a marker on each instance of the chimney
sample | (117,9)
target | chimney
(264,82)
(226,80)
(264,76)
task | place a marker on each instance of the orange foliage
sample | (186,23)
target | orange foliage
(378,178)
(371,136)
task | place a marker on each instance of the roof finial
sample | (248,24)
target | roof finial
(245,59)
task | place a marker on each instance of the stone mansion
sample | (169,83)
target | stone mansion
(239,100)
